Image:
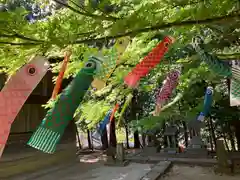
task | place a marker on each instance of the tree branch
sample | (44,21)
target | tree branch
(118,65)
(165,26)
(16,35)
(87,13)
(82,8)
(148,29)
(228,57)
(188,3)
(21,44)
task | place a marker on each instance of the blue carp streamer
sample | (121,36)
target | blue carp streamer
(104,122)
(207,103)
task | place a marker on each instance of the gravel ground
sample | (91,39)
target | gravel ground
(180,172)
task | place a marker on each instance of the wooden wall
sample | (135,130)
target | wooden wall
(2,80)
(29,118)
(32,113)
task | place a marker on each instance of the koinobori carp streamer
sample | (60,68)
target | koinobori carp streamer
(56,120)
(169,84)
(16,91)
(207,103)
(148,63)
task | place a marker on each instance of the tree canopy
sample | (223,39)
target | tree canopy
(88,27)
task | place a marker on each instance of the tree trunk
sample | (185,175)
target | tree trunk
(213,133)
(238,137)
(134,109)
(225,140)
(136,140)
(89,139)
(104,139)
(155,141)
(78,139)
(165,144)
(231,136)
(143,139)
(236,124)
(127,136)
(232,140)
(224,137)
(210,135)
(113,138)
(185,133)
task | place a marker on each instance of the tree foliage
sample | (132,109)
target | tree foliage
(88,30)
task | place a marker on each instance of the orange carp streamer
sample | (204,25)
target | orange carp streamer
(61,75)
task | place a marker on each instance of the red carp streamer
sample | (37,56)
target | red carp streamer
(148,62)
(16,92)
(61,75)
(169,84)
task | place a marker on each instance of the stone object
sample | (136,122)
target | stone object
(196,147)
(170,134)
(196,142)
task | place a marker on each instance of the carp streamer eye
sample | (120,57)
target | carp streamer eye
(209,91)
(31,70)
(90,65)
(166,44)
(174,75)
(120,42)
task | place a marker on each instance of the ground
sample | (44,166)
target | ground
(90,167)
(95,171)
(180,172)
(132,172)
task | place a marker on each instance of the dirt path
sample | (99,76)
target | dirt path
(195,173)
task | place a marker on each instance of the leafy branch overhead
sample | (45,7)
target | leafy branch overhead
(84,27)
(90,29)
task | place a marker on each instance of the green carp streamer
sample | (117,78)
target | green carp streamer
(213,62)
(56,120)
